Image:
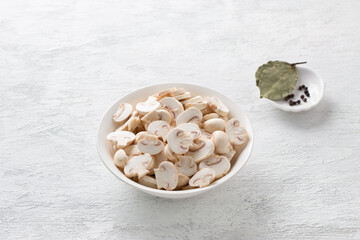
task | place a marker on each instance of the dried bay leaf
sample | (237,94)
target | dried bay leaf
(276,79)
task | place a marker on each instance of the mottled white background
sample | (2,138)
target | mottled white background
(62,63)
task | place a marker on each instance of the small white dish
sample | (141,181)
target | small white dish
(107,125)
(315,86)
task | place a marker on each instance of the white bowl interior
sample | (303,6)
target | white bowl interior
(315,87)
(107,125)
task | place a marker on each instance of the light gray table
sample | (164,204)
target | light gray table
(62,63)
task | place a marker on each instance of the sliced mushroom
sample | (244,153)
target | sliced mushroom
(214,124)
(182,181)
(160,114)
(237,134)
(196,99)
(201,149)
(221,141)
(150,144)
(131,123)
(121,138)
(123,112)
(220,164)
(229,154)
(166,176)
(173,106)
(177,92)
(166,92)
(179,141)
(120,158)
(203,178)
(159,158)
(132,150)
(192,114)
(207,110)
(183,96)
(170,154)
(186,166)
(159,128)
(140,135)
(149,105)
(217,106)
(210,116)
(200,105)
(205,134)
(139,165)
(187,187)
(148,181)
(190,128)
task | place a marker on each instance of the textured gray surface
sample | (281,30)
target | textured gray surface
(62,63)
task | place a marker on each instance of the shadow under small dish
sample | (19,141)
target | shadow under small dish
(106,148)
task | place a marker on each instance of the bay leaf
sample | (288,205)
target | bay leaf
(262,67)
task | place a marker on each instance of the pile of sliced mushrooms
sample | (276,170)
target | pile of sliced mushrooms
(174,141)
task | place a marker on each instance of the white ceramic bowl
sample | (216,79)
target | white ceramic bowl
(107,125)
(316,89)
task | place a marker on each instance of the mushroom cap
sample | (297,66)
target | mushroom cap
(201,149)
(220,164)
(132,150)
(159,128)
(190,128)
(237,134)
(172,105)
(120,158)
(179,141)
(139,165)
(123,112)
(217,106)
(221,141)
(148,181)
(166,176)
(170,154)
(214,124)
(186,166)
(191,114)
(159,114)
(203,178)
(150,144)
(149,105)
(121,138)
(182,181)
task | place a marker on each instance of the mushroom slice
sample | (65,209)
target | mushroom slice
(196,99)
(229,154)
(123,112)
(221,141)
(192,114)
(121,138)
(187,187)
(178,91)
(211,116)
(201,149)
(207,111)
(159,128)
(182,181)
(220,164)
(132,150)
(190,128)
(183,96)
(133,123)
(186,166)
(217,106)
(203,178)
(200,106)
(140,135)
(170,154)
(237,134)
(148,181)
(173,106)
(166,176)
(159,158)
(179,141)
(166,92)
(205,134)
(160,114)
(149,105)
(150,144)
(139,165)
(120,158)
(214,124)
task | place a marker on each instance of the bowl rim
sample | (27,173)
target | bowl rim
(287,108)
(176,192)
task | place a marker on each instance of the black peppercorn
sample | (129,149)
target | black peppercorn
(305,100)
(302,96)
(292,95)
(298,101)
